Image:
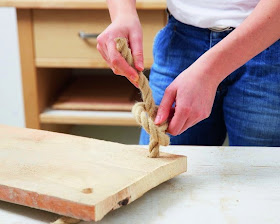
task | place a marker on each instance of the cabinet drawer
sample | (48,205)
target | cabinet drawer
(57,41)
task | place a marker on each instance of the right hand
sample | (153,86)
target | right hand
(129,27)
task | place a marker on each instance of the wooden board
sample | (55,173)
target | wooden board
(76,176)
(223,185)
(78,4)
(105,92)
(117,118)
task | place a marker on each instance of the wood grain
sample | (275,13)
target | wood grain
(119,118)
(78,4)
(77,63)
(111,93)
(58,44)
(28,70)
(230,185)
(54,172)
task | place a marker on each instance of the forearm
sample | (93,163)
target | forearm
(255,34)
(121,7)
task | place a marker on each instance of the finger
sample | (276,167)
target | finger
(136,45)
(171,114)
(135,83)
(188,124)
(117,72)
(177,122)
(119,63)
(165,105)
(103,54)
(102,48)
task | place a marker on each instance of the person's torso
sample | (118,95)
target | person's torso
(211,13)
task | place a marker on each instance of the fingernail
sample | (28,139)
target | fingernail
(141,66)
(157,120)
(135,78)
(136,84)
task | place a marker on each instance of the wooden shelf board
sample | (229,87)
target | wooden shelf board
(77,63)
(99,93)
(77,4)
(87,117)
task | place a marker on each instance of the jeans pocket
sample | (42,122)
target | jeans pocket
(162,43)
(158,39)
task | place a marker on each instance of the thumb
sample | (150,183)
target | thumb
(165,105)
(136,45)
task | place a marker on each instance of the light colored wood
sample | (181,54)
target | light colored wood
(223,185)
(50,84)
(98,92)
(76,176)
(51,30)
(57,40)
(28,70)
(50,116)
(60,128)
(39,85)
(77,63)
(78,4)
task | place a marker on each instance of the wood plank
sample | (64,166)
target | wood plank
(118,118)
(28,70)
(226,184)
(77,63)
(58,44)
(76,176)
(78,4)
(98,92)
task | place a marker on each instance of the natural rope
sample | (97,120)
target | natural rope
(66,220)
(145,112)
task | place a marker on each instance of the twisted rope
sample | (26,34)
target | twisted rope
(145,112)
(66,220)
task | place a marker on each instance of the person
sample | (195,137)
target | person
(216,68)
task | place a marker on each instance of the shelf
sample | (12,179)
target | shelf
(114,118)
(94,100)
(99,93)
(78,4)
(78,63)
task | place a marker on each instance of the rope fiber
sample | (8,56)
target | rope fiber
(145,112)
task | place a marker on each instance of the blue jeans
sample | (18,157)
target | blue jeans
(247,102)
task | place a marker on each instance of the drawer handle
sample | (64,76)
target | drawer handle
(84,35)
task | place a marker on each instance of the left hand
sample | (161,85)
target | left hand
(193,92)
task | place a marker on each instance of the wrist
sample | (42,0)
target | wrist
(122,9)
(212,66)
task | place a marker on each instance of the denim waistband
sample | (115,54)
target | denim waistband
(196,31)
(173,20)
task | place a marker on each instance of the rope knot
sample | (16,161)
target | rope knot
(158,134)
(145,111)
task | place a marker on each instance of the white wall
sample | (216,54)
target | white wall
(11,99)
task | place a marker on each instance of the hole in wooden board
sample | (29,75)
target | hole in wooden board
(87,190)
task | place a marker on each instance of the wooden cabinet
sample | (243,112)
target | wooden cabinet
(58,44)
(51,46)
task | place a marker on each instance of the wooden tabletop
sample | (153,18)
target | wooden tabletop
(78,4)
(222,185)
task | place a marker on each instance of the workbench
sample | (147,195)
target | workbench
(222,185)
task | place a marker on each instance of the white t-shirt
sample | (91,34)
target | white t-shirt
(211,13)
